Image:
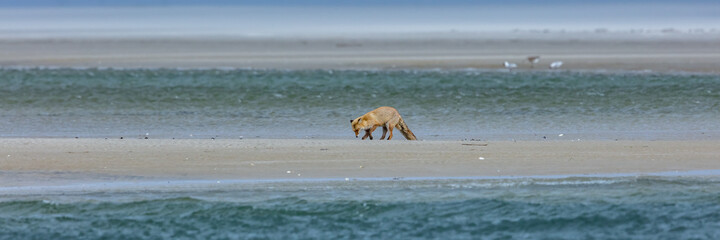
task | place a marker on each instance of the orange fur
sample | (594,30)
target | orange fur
(386,117)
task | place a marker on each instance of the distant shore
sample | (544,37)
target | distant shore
(661,52)
(64,161)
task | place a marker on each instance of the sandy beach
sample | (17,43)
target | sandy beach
(51,162)
(63,161)
(229,120)
(662,52)
(57,161)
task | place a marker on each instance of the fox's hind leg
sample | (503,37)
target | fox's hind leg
(385,129)
(390,129)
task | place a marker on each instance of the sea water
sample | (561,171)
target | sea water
(514,208)
(436,104)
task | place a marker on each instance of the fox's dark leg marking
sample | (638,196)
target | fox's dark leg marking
(385,129)
(372,129)
(367,134)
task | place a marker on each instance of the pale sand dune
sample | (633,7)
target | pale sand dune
(670,52)
(48,162)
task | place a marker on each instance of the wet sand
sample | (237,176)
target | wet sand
(663,52)
(58,162)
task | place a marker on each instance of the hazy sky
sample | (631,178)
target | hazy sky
(262,17)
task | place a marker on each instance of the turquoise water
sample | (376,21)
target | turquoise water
(436,104)
(234,103)
(563,208)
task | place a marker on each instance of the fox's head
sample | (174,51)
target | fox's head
(357,125)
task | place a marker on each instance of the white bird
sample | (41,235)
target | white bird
(510,65)
(556,64)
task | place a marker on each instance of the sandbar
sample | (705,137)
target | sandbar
(666,52)
(66,161)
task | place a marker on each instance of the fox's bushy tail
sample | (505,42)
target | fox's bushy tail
(405,130)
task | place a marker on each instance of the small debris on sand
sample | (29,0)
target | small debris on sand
(475,144)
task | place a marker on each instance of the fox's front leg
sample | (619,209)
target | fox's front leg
(367,134)
(385,129)
(372,129)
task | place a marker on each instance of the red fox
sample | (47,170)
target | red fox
(387,117)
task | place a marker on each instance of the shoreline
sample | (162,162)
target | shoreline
(369,69)
(38,162)
(173,185)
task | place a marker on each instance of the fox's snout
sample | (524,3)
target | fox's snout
(357,132)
